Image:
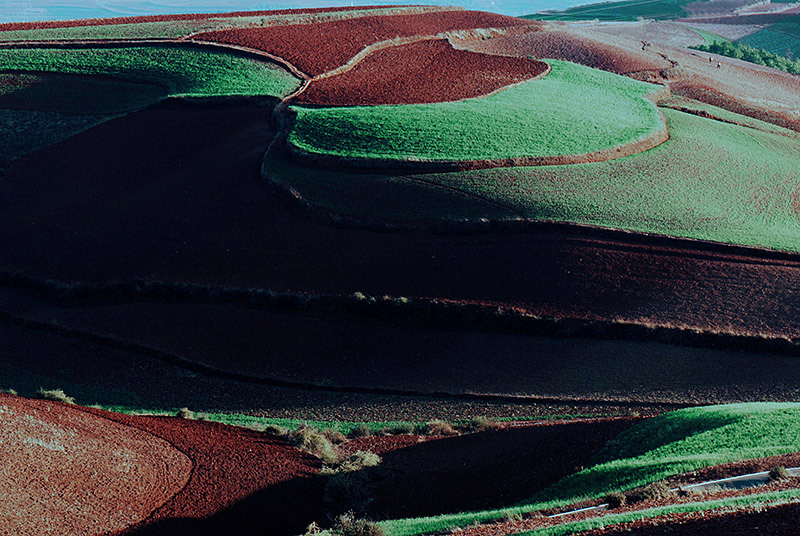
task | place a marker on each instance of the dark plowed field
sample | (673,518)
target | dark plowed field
(175,195)
(325,46)
(439,73)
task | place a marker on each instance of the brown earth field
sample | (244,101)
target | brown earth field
(331,350)
(325,46)
(440,73)
(737,86)
(186,205)
(53,453)
(40,25)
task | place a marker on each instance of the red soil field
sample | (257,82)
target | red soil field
(70,472)
(241,481)
(568,45)
(14,26)
(186,177)
(439,73)
(321,47)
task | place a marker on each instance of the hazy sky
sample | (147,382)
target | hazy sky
(26,10)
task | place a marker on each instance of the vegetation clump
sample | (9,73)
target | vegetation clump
(11,392)
(615,500)
(347,524)
(311,440)
(778,473)
(56,395)
(440,428)
(355,462)
(753,55)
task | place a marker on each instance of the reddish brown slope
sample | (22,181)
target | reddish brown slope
(321,47)
(68,472)
(438,71)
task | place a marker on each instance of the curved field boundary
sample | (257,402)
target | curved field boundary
(433,313)
(654,139)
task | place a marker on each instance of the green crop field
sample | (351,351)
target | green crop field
(777,42)
(658,448)
(595,109)
(182,71)
(711,180)
(619,11)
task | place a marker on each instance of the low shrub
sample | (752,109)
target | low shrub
(274,430)
(56,395)
(440,428)
(778,472)
(360,430)
(615,500)
(334,436)
(186,413)
(11,392)
(355,462)
(481,424)
(399,429)
(656,490)
(311,440)
(346,524)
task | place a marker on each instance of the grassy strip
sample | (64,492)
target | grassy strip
(708,37)
(744,52)
(710,181)
(573,110)
(626,10)
(768,499)
(182,70)
(658,448)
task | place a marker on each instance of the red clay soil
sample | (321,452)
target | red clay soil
(567,45)
(69,472)
(320,47)
(439,73)
(242,482)
(209,220)
(486,469)
(40,25)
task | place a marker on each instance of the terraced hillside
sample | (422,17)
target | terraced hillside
(310,262)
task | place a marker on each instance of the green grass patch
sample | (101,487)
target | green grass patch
(708,37)
(619,11)
(777,42)
(711,180)
(655,449)
(573,110)
(182,71)
(768,499)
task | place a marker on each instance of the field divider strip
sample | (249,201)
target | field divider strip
(424,312)
(213,372)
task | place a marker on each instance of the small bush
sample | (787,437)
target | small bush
(56,395)
(359,460)
(349,525)
(615,500)
(274,430)
(360,430)
(312,441)
(186,413)
(656,490)
(778,473)
(481,424)
(11,392)
(334,436)
(440,428)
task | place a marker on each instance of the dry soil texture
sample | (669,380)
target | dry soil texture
(422,72)
(70,472)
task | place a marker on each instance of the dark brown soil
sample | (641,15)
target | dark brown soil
(440,73)
(321,47)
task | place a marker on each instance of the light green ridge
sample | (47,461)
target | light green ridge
(183,71)
(573,110)
(658,448)
(768,499)
(711,180)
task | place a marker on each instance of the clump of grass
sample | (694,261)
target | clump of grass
(481,424)
(614,500)
(360,430)
(778,472)
(311,440)
(440,428)
(186,413)
(56,395)
(347,524)
(334,436)
(355,462)
(656,490)
(275,430)
(11,392)
(399,429)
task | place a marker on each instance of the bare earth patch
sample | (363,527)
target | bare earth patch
(69,472)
